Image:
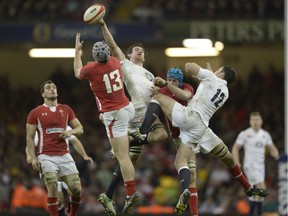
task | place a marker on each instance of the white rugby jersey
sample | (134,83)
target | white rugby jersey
(138,82)
(254,144)
(211,94)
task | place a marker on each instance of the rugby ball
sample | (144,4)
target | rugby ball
(94,13)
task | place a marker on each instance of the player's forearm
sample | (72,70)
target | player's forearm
(116,51)
(79,149)
(235,153)
(274,153)
(77,64)
(108,36)
(30,150)
(179,93)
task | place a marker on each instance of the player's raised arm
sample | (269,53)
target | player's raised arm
(116,51)
(191,69)
(77,59)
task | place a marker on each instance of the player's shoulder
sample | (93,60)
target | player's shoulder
(63,106)
(187,86)
(264,131)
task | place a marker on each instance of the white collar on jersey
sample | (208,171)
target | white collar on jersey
(52,108)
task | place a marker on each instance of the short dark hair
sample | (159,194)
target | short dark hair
(255,114)
(130,48)
(43,85)
(230,74)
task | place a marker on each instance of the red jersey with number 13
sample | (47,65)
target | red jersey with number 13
(106,82)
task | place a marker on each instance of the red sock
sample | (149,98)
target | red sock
(75,202)
(237,173)
(193,202)
(52,206)
(130,187)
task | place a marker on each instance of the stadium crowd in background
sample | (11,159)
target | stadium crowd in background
(156,176)
(143,10)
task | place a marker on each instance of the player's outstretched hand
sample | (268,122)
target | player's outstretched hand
(89,159)
(101,22)
(160,82)
(78,43)
(208,66)
(36,165)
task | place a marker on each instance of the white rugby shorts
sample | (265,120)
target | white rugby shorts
(63,165)
(116,122)
(193,132)
(255,174)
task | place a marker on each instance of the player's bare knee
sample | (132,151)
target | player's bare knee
(51,182)
(76,190)
(74,184)
(157,133)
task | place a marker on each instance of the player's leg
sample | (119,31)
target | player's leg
(60,195)
(121,148)
(183,155)
(106,199)
(156,134)
(193,201)
(223,154)
(256,176)
(51,181)
(159,102)
(74,184)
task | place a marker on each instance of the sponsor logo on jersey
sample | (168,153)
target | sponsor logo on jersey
(149,76)
(54,130)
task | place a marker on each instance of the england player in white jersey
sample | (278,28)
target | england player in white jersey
(138,82)
(255,141)
(193,122)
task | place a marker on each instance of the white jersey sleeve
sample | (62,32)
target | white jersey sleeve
(211,94)
(138,82)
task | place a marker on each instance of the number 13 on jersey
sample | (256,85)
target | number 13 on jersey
(116,78)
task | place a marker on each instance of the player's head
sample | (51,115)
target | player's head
(256,120)
(101,52)
(136,51)
(229,74)
(49,90)
(175,73)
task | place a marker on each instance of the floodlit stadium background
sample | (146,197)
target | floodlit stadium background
(252,32)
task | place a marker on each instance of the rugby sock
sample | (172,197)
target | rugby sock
(152,113)
(184,175)
(193,201)
(116,179)
(61,211)
(237,173)
(252,206)
(52,206)
(259,208)
(75,202)
(130,187)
